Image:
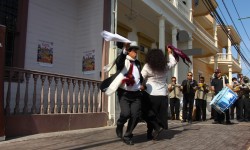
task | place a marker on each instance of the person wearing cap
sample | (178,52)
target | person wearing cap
(217,85)
(240,77)
(155,74)
(127,82)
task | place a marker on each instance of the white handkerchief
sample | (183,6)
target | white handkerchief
(114,37)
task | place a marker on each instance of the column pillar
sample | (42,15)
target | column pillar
(162,33)
(2,57)
(229,51)
(189,6)
(216,61)
(215,34)
(111,100)
(190,46)
(175,3)
(230,74)
(174,43)
(238,55)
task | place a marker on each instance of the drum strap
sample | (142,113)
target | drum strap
(223,78)
(174,92)
(188,86)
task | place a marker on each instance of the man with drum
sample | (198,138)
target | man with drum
(217,85)
(200,100)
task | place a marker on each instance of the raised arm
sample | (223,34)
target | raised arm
(172,62)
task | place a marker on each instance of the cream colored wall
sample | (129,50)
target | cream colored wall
(200,66)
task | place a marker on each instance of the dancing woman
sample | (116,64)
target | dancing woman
(155,74)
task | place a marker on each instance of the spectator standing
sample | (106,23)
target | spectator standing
(174,91)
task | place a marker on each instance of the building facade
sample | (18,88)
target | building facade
(60,53)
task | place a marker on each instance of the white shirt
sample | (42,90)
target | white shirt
(156,82)
(137,84)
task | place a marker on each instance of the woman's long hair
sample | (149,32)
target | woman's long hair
(156,60)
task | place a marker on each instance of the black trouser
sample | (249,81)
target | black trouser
(175,108)
(213,111)
(155,112)
(146,112)
(239,108)
(188,103)
(158,115)
(201,106)
(221,116)
(130,103)
(232,109)
(246,108)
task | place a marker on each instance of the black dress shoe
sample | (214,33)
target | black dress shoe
(184,120)
(156,133)
(119,131)
(150,137)
(128,141)
(215,122)
(228,122)
(240,120)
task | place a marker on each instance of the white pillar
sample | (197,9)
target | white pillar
(189,6)
(175,3)
(162,33)
(215,34)
(112,55)
(238,55)
(174,43)
(230,74)
(190,46)
(215,61)
(229,51)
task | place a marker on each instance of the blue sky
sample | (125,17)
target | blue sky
(243,9)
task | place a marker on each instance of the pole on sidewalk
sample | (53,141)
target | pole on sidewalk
(2,56)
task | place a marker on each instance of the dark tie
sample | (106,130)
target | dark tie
(188,86)
(129,80)
(174,91)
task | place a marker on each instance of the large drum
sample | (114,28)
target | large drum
(224,100)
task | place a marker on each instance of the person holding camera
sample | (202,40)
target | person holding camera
(200,100)
(174,91)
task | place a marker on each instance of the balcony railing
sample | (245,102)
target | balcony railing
(204,33)
(182,8)
(225,58)
(35,92)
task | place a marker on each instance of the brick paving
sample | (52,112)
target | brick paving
(180,136)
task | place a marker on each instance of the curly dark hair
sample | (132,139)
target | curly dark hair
(156,60)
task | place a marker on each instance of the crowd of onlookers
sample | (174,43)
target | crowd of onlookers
(195,96)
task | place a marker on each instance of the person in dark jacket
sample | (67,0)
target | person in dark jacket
(188,88)
(127,82)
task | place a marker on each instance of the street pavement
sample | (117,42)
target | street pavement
(179,136)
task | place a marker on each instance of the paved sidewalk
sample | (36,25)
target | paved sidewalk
(199,135)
